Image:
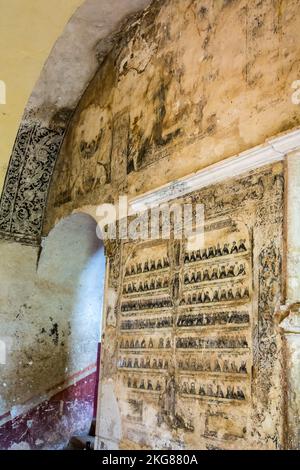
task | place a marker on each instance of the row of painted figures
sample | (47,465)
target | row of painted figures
(217,366)
(146,304)
(146,286)
(231,393)
(211,343)
(144,385)
(143,344)
(215,274)
(202,297)
(225,367)
(187,343)
(216,251)
(219,318)
(189,278)
(147,266)
(217,295)
(147,323)
(202,319)
(193,256)
(142,363)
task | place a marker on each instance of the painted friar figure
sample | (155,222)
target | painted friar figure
(168,413)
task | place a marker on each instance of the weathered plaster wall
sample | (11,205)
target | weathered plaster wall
(190,84)
(50,305)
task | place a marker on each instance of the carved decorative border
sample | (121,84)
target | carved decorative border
(27,182)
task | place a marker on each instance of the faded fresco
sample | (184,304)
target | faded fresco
(194,353)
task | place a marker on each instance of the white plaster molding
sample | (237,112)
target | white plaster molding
(286,143)
(274,150)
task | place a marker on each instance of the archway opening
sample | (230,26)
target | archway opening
(71,270)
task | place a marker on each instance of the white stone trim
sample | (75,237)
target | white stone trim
(274,150)
(286,143)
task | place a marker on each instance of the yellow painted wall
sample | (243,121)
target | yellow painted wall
(28,31)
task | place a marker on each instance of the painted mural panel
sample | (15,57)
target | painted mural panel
(196,347)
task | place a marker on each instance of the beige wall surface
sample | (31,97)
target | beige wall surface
(180,92)
(28,31)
